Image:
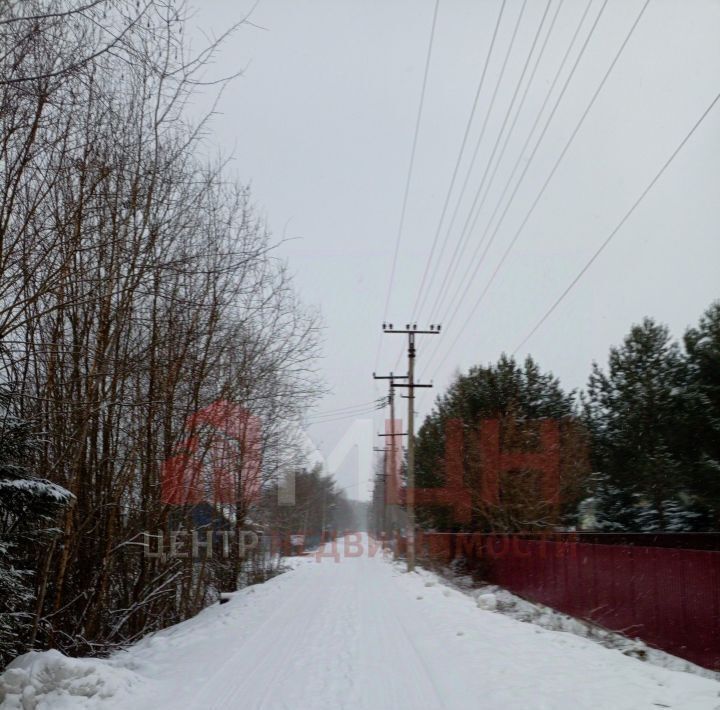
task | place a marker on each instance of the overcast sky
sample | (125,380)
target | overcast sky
(322,124)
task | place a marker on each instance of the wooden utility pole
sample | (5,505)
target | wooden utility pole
(379,494)
(411,331)
(393,444)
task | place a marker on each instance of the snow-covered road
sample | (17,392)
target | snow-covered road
(362,634)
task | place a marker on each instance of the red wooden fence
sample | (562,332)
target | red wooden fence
(668,598)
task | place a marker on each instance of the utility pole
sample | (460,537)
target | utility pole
(380,495)
(322,524)
(393,445)
(411,331)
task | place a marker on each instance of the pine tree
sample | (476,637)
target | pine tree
(517,395)
(702,345)
(638,413)
(29,506)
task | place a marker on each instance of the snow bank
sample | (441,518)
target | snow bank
(487,601)
(49,680)
(490,597)
(52,681)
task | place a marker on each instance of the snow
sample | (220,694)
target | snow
(523,610)
(37,486)
(356,634)
(52,680)
(487,601)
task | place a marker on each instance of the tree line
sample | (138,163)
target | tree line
(320,512)
(138,285)
(638,449)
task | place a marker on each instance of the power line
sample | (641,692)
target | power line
(481,136)
(547,181)
(359,405)
(468,278)
(484,186)
(530,134)
(483,128)
(411,165)
(455,263)
(620,224)
(421,293)
(378,403)
(344,416)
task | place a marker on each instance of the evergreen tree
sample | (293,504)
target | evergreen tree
(638,413)
(28,508)
(702,345)
(516,395)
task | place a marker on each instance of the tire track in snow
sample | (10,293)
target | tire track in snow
(259,660)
